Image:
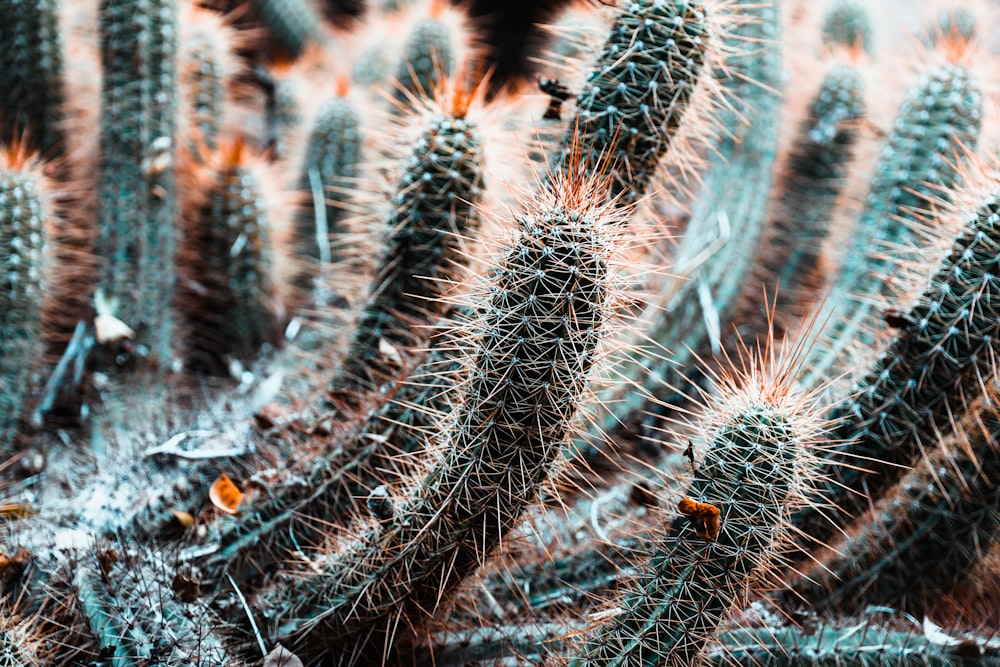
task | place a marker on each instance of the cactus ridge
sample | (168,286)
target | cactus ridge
(536,338)
(939,360)
(23,252)
(634,99)
(941,115)
(31,88)
(435,209)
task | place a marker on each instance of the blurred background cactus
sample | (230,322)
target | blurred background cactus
(649,332)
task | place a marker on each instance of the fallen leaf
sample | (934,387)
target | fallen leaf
(281,657)
(225,495)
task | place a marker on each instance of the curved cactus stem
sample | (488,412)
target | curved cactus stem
(535,339)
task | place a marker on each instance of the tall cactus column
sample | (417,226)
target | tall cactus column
(531,350)
(23,218)
(136,202)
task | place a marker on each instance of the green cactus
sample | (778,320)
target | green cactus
(726,222)
(24,219)
(927,537)
(813,179)
(937,363)
(861,644)
(848,24)
(451,448)
(205,52)
(136,201)
(333,157)
(428,58)
(750,476)
(941,115)
(31,86)
(634,99)
(434,209)
(536,338)
(140,616)
(230,307)
(294,24)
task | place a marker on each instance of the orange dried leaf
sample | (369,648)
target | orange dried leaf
(225,495)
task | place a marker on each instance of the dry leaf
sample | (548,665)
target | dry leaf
(110,329)
(225,495)
(281,657)
(389,352)
(183,518)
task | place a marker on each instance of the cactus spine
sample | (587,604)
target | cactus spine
(751,475)
(535,340)
(31,88)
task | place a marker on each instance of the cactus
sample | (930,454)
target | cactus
(915,164)
(434,209)
(634,100)
(848,24)
(928,536)
(726,221)
(294,24)
(437,515)
(536,338)
(750,477)
(25,216)
(230,301)
(937,362)
(428,58)
(132,609)
(332,158)
(31,88)
(858,644)
(136,197)
(812,181)
(205,71)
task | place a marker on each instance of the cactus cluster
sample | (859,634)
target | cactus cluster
(358,360)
